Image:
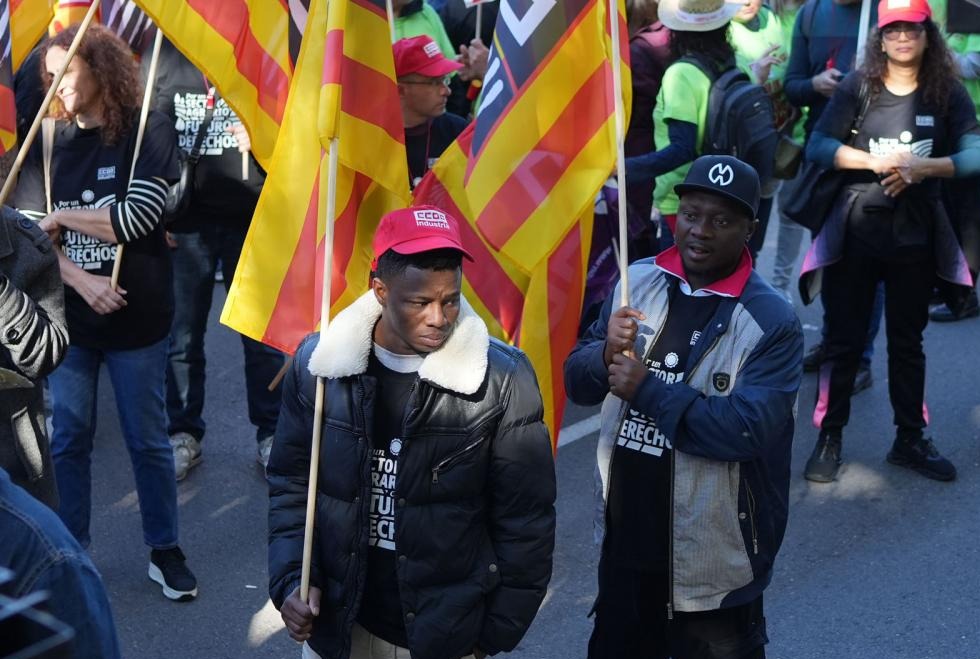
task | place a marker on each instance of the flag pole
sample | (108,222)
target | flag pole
(327,276)
(8,185)
(144,114)
(479,20)
(620,152)
(863,28)
(391,19)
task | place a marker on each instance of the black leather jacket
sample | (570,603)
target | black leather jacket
(474,515)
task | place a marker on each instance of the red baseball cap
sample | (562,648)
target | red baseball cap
(910,11)
(423,56)
(417,229)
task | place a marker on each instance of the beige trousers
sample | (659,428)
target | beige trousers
(365,645)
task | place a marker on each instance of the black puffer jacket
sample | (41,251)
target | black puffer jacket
(474,515)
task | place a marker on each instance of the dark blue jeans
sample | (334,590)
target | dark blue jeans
(195,262)
(137,378)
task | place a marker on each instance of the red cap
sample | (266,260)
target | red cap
(910,11)
(417,229)
(422,55)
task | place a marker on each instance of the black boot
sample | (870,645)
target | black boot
(824,462)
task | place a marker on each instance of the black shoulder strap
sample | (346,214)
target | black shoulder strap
(703,64)
(864,102)
(202,132)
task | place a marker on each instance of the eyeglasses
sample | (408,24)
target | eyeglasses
(431,82)
(894,31)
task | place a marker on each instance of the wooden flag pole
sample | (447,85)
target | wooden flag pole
(144,114)
(391,20)
(8,185)
(624,297)
(863,28)
(327,275)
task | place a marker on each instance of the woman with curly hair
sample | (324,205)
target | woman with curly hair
(87,203)
(889,224)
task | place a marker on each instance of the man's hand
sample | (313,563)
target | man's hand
(762,67)
(241,136)
(98,293)
(50,226)
(298,615)
(826,82)
(625,376)
(474,60)
(621,332)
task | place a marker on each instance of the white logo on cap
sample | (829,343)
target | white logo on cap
(432,49)
(720,174)
(431,219)
(899,4)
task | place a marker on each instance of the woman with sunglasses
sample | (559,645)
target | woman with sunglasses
(888,224)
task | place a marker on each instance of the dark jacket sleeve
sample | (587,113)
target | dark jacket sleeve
(288,476)
(683,148)
(522,523)
(743,425)
(797,83)
(586,374)
(33,332)
(834,126)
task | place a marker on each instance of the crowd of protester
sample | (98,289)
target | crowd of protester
(708,343)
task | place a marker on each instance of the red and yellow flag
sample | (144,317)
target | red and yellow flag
(28,19)
(344,87)
(22,24)
(67,13)
(523,178)
(243,48)
(545,137)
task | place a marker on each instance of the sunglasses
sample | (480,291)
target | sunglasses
(894,31)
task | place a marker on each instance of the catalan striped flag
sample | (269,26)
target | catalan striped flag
(522,178)
(243,48)
(344,87)
(545,132)
(27,21)
(22,24)
(67,13)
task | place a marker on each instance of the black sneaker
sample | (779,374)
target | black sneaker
(813,358)
(824,462)
(168,568)
(921,455)
(863,380)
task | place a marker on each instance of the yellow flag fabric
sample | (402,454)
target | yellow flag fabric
(28,21)
(345,88)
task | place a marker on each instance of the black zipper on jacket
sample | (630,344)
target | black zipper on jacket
(755,534)
(454,458)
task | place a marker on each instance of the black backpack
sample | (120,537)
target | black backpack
(741,120)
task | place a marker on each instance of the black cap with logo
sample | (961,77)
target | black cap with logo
(726,176)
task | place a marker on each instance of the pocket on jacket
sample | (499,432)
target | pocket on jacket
(462,470)
(27,442)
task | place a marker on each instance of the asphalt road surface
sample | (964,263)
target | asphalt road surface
(881,564)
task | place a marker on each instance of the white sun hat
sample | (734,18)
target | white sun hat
(697,15)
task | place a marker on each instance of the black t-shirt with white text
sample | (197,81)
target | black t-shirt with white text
(87,174)
(638,507)
(381,610)
(220,192)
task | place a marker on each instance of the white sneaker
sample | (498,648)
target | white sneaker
(187,453)
(264,449)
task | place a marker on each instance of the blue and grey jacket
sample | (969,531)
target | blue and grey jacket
(730,423)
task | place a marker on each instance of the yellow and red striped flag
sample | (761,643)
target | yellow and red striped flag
(243,48)
(344,87)
(523,178)
(67,13)
(22,24)
(28,20)
(545,136)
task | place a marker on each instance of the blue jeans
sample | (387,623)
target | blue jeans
(137,378)
(195,261)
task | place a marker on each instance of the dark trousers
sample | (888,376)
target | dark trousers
(849,288)
(631,621)
(195,262)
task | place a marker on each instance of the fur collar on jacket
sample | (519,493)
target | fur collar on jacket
(459,365)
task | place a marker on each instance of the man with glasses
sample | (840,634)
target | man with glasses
(423,74)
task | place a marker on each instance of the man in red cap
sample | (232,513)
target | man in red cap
(423,74)
(435,514)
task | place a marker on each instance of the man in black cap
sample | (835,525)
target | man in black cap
(698,380)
